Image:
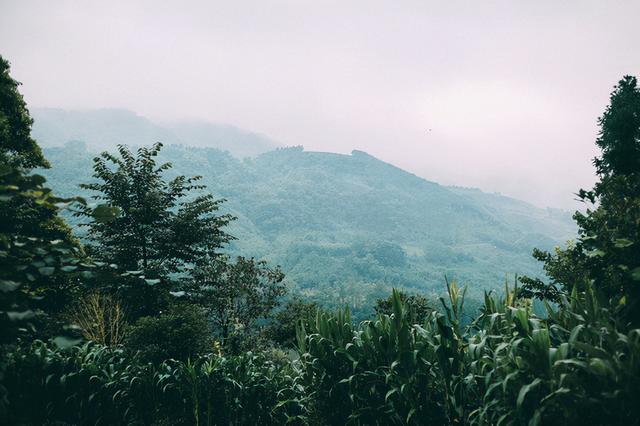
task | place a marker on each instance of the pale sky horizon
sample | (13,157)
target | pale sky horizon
(499,95)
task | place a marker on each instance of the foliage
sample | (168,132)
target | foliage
(180,333)
(39,261)
(26,261)
(17,147)
(348,228)
(236,294)
(608,248)
(610,234)
(149,228)
(508,367)
(157,228)
(575,367)
(419,306)
(92,384)
(282,329)
(28,209)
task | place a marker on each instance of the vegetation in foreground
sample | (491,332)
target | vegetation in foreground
(147,322)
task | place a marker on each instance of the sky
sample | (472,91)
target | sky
(499,95)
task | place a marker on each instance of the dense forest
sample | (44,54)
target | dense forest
(135,291)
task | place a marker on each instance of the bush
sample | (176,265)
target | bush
(282,330)
(101,318)
(180,333)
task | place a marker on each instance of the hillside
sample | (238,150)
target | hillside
(346,228)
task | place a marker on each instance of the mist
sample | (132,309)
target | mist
(503,96)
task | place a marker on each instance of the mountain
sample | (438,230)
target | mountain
(346,228)
(103,129)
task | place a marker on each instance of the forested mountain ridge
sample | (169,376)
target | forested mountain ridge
(347,228)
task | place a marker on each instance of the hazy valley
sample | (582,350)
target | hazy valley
(344,228)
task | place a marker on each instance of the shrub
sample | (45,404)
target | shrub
(179,333)
(101,318)
(282,330)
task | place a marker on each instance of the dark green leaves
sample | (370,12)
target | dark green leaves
(104,213)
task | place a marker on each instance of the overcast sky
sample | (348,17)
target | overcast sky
(503,96)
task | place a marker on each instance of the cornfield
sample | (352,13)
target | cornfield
(575,365)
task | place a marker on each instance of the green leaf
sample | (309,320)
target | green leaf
(7,286)
(596,253)
(5,169)
(20,316)
(622,242)
(68,268)
(525,390)
(47,270)
(105,213)
(65,342)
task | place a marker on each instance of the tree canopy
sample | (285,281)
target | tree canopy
(151,224)
(607,251)
(17,147)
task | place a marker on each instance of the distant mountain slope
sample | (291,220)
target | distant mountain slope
(346,228)
(238,142)
(105,128)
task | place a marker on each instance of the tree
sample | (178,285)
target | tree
(237,294)
(17,147)
(28,262)
(607,251)
(419,306)
(148,228)
(20,152)
(159,227)
(283,328)
(181,332)
(36,244)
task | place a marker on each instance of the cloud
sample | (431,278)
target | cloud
(510,90)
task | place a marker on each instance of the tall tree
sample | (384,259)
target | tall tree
(28,209)
(19,151)
(150,229)
(159,226)
(17,147)
(607,251)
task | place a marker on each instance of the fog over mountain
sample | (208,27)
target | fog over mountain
(483,94)
(103,129)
